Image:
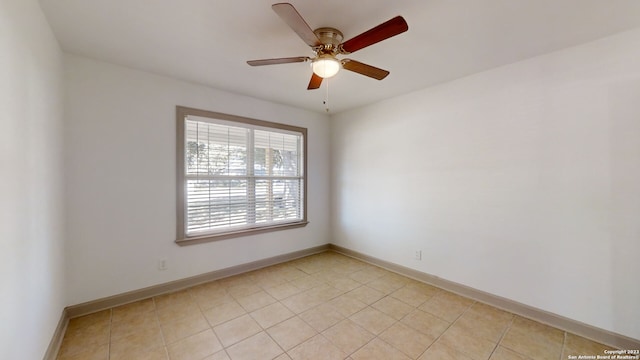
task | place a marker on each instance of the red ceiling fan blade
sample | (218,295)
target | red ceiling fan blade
(315,82)
(278,61)
(393,27)
(364,69)
(296,22)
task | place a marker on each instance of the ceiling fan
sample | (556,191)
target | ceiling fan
(326,43)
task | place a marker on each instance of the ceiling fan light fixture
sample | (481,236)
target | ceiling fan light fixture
(325,66)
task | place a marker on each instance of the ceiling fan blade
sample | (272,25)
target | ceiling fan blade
(364,69)
(278,61)
(295,21)
(393,27)
(315,82)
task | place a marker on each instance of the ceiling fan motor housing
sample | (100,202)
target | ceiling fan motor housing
(330,38)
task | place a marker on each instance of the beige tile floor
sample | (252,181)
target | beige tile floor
(325,306)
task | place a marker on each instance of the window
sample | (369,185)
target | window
(237,176)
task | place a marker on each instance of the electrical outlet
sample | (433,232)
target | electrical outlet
(418,255)
(162,264)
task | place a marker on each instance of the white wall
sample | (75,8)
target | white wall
(522,181)
(120,162)
(31,181)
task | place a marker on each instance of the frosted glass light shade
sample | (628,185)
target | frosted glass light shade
(326,66)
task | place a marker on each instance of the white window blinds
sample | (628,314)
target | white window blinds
(240,176)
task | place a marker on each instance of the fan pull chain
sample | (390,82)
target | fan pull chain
(326,98)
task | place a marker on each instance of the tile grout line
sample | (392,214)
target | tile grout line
(322,282)
(502,336)
(377,336)
(157,318)
(193,298)
(415,308)
(211,326)
(400,320)
(264,329)
(418,308)
(274,340)
(278,301)
(453,323)
(164,341)
(356,324)
(344,292)
(296,315)
(110,332)
(564,343)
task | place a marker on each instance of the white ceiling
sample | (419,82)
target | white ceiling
(209,41)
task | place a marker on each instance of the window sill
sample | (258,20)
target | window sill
(238,233)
